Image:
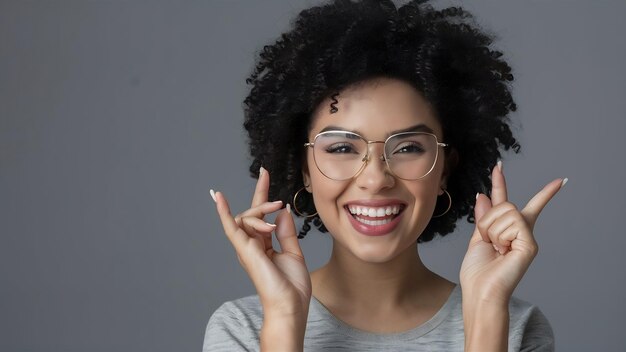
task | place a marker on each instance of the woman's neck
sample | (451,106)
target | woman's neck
(350,285)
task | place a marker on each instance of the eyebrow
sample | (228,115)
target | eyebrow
(417,128)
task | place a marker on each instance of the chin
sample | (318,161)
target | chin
(375,253)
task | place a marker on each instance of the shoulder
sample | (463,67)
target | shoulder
(529,327)
(235,325)
(247,308)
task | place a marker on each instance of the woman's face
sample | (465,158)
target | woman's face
(375,111)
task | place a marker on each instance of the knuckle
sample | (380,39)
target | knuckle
(532,249)
(492,234)
(507,206)
(513,213)
(482,223)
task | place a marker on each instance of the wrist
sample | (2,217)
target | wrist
(486,295)
(280,333)
(485,301)
(486,326)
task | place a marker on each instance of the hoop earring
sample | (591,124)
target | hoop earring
(295,208)
(449,205)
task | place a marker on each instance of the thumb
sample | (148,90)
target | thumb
(481,207)
(286,233)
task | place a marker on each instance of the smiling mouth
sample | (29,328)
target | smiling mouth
(375,216)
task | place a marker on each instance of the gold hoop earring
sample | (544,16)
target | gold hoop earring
(295,208)
(449,205)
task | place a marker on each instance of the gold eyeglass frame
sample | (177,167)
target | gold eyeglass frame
(366,158)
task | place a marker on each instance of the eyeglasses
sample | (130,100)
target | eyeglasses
(341,155)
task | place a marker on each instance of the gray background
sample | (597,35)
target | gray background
(117,116)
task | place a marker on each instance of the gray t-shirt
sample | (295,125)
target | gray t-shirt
(236,325)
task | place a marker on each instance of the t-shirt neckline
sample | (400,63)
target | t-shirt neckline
(416,332)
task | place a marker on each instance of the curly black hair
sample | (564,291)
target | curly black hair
(443,54)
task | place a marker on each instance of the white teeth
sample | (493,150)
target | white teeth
(374,222)
(377,212)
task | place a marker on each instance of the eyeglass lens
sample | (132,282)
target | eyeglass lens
(340,155)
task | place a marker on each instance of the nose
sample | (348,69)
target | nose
(375,175)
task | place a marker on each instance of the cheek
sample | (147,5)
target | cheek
(326,194)
(325,191)
(425,194)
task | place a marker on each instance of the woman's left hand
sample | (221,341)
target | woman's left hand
(502,245)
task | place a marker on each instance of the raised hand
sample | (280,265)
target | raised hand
(280,278)
(502,245)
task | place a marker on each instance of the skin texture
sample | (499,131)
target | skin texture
(384,273)
(379,284)
(375,111)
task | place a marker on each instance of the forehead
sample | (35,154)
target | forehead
(375,109)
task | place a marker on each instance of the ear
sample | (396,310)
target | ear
(451,160)
(306,177)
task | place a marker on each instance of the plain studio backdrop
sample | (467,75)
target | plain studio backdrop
(116,117)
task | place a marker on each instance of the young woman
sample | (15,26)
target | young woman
(381,126)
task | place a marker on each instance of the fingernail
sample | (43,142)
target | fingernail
(277,201)
(495,247)
(213,195)
(261,171)
(564,181)
(272,225)
(500,165)
(477,193)
(288,207)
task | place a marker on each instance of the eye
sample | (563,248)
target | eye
(415,148)
(340,148)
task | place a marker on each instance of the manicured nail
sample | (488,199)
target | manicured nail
(495,247)
(213,195)
(477,193)
(564,181)
(288,207)
(277,201)
(500,165)
(272,225)
(261,171)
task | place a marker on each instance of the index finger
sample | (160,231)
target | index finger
(262,188)
(234,233)
(538,202)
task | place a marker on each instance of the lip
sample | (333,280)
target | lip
(375,230)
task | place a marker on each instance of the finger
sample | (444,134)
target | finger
(502,223)
(258,228)
(491,216)
(520,242)
(498,185)
(262,188)
(253,226)
(286,233)
(509,235)
(538,202)
(235,235)
(482,206)
(261,210)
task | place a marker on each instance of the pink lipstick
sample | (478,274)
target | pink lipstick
(374,217)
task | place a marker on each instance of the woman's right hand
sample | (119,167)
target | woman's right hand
(281,279)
